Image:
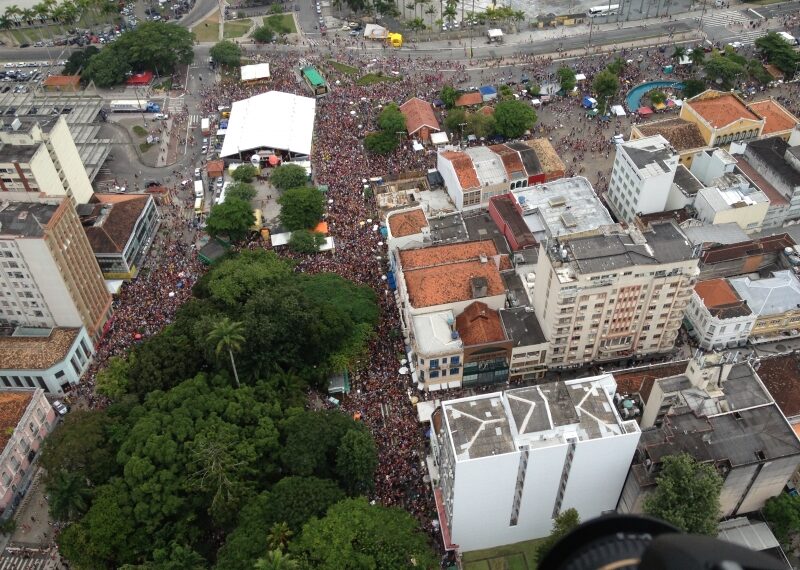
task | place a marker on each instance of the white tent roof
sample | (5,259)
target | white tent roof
(375,32)
(618,110)
(439,138)
(255,71)
(495,33)
(580,77)
(273,119)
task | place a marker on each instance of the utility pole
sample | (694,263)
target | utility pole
(703,13)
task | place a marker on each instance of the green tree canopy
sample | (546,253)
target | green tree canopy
(355,534)
(306,241)
(481,124)
(454,119)
(448,95)
(232,219)
(687,495)
(226,53)
(112,381)
(381,142)
(301,208)
(263,34)
(698,56)
(288,176)
(562,525)
(241,191)
(79,59)
(657,97)
(235,280)
(391,120)
(783,514)
(161,362)
(778,52)
(606,86)
(723,70)
(356,461)
(566,77)
(513,118)
(245,173)
(69,495)
(692,87)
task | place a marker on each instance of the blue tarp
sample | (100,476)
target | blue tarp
(488,90)
(391,281)
(589,102)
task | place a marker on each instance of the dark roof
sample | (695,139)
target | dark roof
(781,376)
(772,151)
(726,252)
(686,181)
(681,134)
(110,225)
(26,219)
(511,216)
(18,153)
(522,326)
(530,160)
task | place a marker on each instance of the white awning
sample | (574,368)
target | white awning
(439,138)
(274,119)
(375,32)
(255,72)
(618,110)
(114,285)
(580,77)
(495,33)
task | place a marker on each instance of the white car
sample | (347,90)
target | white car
(204,149)
(60,408)
(161,116)
(197,174)
(220,182)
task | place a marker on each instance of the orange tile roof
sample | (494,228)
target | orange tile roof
(511,160)
(469,99)
(36,353)
(777,118)
(441,274)
(215,168)
(418,114)
(487,110)
(722,111)
(407,223)
(716,292)
(450,253)
(12,408)
(479,324)
(62,81)
(465,171)
(450,283)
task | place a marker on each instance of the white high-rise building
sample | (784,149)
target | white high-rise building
(642,177)
(509,462)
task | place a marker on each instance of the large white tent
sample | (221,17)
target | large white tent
(274,120)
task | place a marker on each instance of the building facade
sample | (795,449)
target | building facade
(718,316)
(775,301)
(720,413)
(722,118)
(42,157)
(613,296)
(27,419)
(49,276)
(642,177)
(508,463)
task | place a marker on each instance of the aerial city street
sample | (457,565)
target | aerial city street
(297,284)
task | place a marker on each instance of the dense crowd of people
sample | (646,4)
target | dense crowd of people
(381,396)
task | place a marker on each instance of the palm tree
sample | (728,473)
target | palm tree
(5,22)
(679,53)
(697,55)
(41,11)
(275,560)
(431,11)
(13,13)
(69,496)
(28,15)
(278,537)
(227,335)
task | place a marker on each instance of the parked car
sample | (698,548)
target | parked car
(60,408)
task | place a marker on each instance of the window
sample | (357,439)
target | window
(14,463)
(60,373)
(453,371)
(6,478)
(434,363)
(455,359)
(434,374)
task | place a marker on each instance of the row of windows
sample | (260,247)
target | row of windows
(29,382)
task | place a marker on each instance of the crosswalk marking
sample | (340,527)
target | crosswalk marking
(194,120)
(725,18)
(37,561)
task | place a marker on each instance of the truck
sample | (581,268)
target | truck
(205,126)
(198,189)
(135,106)
(788,38)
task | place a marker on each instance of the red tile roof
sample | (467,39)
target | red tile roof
(443,274)
(511,160)
(73,81)
(781,376)
(479,324)
(36,353)
(407,223)
(418,114)
(464,168)
(469,99)
(641,381)
(487,110)
(721,111)
(777,118)
(215,168)
(716,292)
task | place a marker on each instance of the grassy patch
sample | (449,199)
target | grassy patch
(343,68)
(144,147)
(281,23)
(208,29)
(373,78)
(519,556)
(139,130)
(236,28)
(166,84)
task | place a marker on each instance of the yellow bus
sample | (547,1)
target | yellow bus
(258,220)
(198,206)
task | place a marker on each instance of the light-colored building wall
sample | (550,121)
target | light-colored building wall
(528,362)
(45,173)
(57,378)
(716,333)
(36,423)
(451,182)
(747,215)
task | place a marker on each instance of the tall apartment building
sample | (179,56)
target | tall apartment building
(642,177)
(49,276)
(508,463)
(619,295)
(39,155)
